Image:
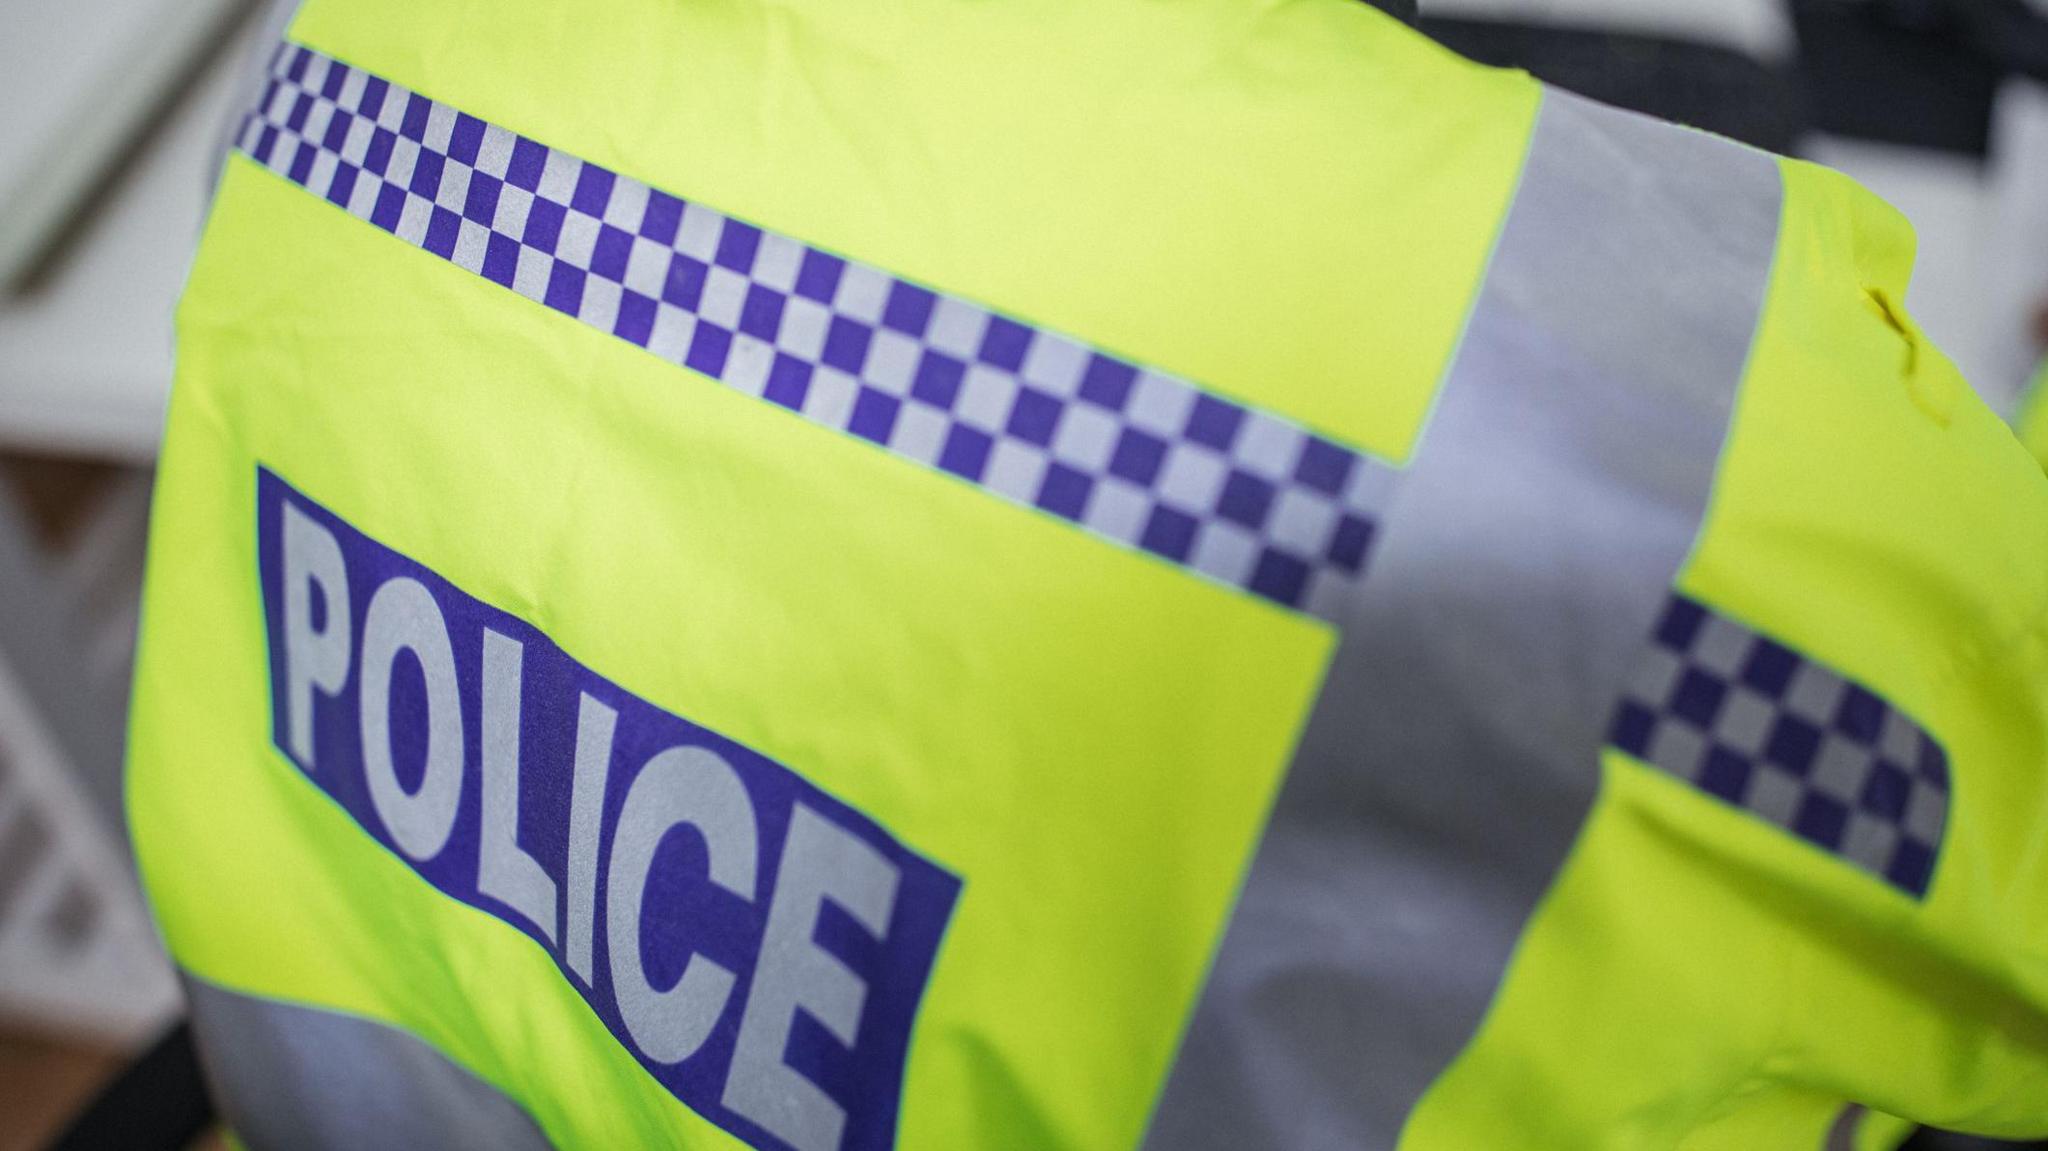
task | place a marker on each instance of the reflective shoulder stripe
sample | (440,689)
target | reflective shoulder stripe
(297,1077)
(1454,752)
(1137,457)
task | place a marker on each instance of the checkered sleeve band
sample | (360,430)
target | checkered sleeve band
(1751,722)
(1135,456)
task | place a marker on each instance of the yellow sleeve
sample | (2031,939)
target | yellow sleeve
(1874,514)
(1699,977)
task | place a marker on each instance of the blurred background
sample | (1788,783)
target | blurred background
(113,126)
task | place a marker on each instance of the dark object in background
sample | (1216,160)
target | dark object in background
(1901,72)
(1705,85)
(1921,73)
(1402,10)
(158,1104)
(1917,73)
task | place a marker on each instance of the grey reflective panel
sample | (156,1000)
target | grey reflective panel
(305,1079)
(1454,752)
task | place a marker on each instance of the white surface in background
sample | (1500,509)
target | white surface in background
(85,360)
(77,80)
(1757,28)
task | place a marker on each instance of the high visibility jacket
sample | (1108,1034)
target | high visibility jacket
(1072,575)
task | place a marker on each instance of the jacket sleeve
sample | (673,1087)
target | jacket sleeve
(1873,513)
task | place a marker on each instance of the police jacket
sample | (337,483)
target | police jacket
(1082,575)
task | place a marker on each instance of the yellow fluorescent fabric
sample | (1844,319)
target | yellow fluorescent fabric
(1166,179)
(1880,1132)
(1700,979)
(2032,422)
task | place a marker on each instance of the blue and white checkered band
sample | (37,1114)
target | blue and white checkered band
(1745,719)
(1134,455)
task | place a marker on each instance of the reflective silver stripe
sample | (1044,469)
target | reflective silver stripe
(287,1076)
(1454,752)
